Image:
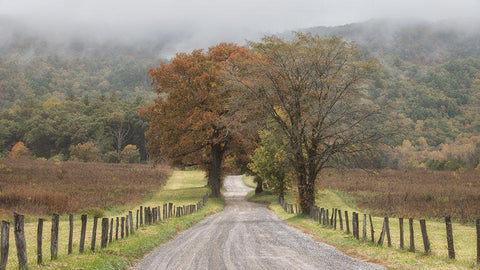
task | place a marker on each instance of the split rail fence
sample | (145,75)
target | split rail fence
(338,219)
(111,229)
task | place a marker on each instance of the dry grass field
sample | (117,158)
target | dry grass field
(412,193)
(42,187)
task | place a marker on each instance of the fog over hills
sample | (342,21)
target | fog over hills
(171,26)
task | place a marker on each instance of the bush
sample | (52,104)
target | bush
(19,150)
(86,152)
(58,157)
(111,157)
(451,163)
(130,154)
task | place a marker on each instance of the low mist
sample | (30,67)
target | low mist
(187,24)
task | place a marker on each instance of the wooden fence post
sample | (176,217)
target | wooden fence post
(387,231)
(4,244)
(346,221)
(40,241)
(94,233)
(54,237)
(426,242)
(340,219)
(70,233)
(145,215)
(331,218)
(335,220)
(150,219)
(130,218)
(126,226)
(400,222)
(136,226)
(103,242)
(141,215)
(116,228)
(357,226)
(122,227)
(372,231)
(364,231)
(354,231)
(322,216)
(110,237)
(382,235)
(327,216)
(83,231)
(18,222)
(477,223)
(451,249)
(412,235)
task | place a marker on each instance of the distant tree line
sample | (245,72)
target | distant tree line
(98,128)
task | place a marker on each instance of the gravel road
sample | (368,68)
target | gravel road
(246,236)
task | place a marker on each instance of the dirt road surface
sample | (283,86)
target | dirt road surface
(246,236)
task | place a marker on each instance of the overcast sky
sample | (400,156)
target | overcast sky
(210,21)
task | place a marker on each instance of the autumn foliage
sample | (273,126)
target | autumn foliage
(19,150)
(86,152)
(189,126)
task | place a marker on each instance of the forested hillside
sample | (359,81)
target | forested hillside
(57,94)
(431,78)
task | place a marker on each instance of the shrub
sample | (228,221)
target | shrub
(19,150)
(130,154)
(451,163)
(58,157)
(111,157)
(86,152)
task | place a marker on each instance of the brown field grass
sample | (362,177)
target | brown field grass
(42,187)
(412,193)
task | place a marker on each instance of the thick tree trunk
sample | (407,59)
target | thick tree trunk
(259,182)
(306,191)
(215,170)
(281,191)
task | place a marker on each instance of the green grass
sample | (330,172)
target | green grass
(183,187)
(248,181)
(392,257)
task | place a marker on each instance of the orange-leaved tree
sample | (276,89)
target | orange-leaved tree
(189,120)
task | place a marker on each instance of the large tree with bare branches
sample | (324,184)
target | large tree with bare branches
(314,89)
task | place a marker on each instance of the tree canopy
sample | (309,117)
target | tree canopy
(314,89)
(189,126)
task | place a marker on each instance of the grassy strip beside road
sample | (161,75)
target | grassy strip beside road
(183,187)
(248,181)
(394,257)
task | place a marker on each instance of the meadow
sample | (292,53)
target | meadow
(40,188)
(409,193)
(180,188)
